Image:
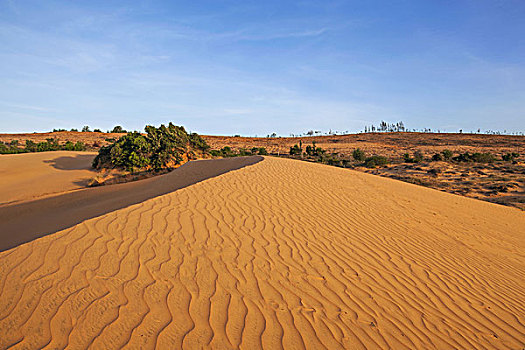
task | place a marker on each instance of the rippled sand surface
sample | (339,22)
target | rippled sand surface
(279,254)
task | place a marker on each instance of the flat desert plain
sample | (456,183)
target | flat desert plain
(276,254)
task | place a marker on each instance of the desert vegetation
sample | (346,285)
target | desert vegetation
(227,152)
(487,167)
(51,144)
(158,149)
(481,175)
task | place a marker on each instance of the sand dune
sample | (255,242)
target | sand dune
(33,175)
(280,254)
(23,222)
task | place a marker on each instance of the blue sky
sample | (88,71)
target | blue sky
(257,67)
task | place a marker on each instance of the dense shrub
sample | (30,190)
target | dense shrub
(296,150)
(372,162)
(31,146)
(359,155)
(244,152)
(263,151)
(79,146)
(447,154)
(509,157)
(418,157)
(10,148)
(68,146)
(437,157)
(475,157)
(118,130)
(162,147)
(314,151)
(227,152)
(260,151)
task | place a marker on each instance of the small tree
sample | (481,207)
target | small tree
(437,157)
(86,129)
(118,130)
(68,146)
(30,146)
(263,151)
(295,150)
(418,156)
(509,157)
(358,155)
(374,161)
(79,146)
(447,154)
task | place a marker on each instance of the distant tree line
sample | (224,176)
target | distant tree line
(117,130)
(385,127)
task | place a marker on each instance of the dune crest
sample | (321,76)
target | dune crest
(280,254)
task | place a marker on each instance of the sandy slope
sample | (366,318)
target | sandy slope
(31,175)
(26,221)
(278,254)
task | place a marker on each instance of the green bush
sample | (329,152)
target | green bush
(50,144)
(374,161)
(79,146)
(359,155)
(475,157)
(418,156)
(509,157)
(11,148)
(314,151)
(244,152)
(447,154)
(118,130)
(263,151)
(437,157)
(483,157)
(161,148)
(295,150)
(68,146)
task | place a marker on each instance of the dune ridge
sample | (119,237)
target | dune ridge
(25,221)
(281,254)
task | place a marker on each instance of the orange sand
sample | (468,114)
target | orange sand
(32,175)
(280,254)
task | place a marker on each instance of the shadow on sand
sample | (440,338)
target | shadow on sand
(21,223)
(78,162)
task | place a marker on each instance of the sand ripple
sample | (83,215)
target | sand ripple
(281,254)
